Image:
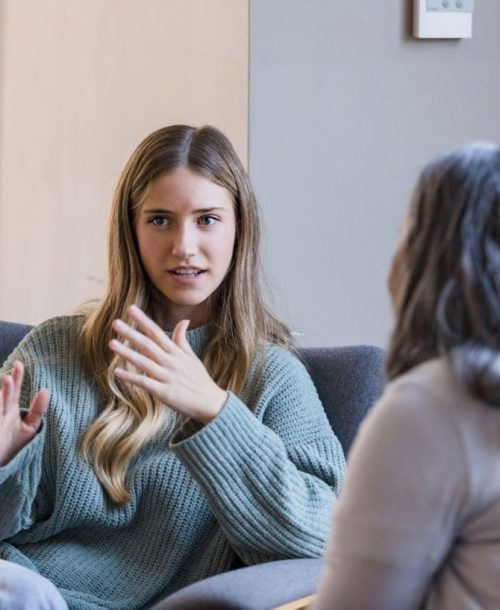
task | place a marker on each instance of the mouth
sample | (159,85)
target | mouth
(187,272)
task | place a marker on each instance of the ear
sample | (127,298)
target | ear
(179,335)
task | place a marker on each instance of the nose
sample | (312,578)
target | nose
(184,244)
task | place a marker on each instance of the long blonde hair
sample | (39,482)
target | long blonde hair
(242,325)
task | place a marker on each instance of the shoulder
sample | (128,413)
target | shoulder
(410,448)
(280,363)
(418,409)
(56,329)
(52,337)
(427,389)
(51,356)
(281,390)
(282,372)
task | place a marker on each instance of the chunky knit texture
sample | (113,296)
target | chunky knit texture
(257,483)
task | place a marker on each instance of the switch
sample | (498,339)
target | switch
(467,6)
(442,18)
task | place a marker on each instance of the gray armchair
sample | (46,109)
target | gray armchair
(348,380)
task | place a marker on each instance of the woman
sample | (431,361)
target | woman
(418,522)
(163,458)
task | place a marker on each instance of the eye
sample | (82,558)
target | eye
(207,220)
(159,221)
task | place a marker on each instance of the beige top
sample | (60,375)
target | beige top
(418,520)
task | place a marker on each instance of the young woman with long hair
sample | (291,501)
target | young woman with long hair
(418,521)
(181,436)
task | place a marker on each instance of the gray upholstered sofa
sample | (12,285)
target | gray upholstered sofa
(348,380)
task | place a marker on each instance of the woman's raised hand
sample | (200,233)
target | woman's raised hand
(16,432)
(168,368)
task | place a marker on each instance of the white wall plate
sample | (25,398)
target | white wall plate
(443,18)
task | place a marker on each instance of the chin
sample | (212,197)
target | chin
(185,300)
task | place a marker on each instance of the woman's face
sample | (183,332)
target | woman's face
(185,228)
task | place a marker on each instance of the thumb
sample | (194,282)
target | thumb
(179,335)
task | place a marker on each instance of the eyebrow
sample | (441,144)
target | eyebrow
(166,211)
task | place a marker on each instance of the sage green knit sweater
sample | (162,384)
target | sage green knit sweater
(257,483)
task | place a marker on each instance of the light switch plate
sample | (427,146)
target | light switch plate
(442,18)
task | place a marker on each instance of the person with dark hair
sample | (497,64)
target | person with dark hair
(417,524)
(170,433)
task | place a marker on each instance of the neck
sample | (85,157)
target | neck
(168,316)
(168,321)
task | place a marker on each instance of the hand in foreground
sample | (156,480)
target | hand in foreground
(16,432)
(169,369)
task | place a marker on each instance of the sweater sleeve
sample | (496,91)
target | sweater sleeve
(19,478)
(270,476)
(405,492)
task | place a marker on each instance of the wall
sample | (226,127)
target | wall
(345,108)
(81,83)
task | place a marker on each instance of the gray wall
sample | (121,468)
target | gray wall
(345,108)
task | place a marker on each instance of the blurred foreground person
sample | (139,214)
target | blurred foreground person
(417,525)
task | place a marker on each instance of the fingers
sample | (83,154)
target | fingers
(11,387)
(139,341)
(143,363)
(151,385)
(17,377)
(149,328)
(7,388)
(37,410)
(179,335)
(11,390)
(152,344)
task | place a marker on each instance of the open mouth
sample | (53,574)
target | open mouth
(187,272)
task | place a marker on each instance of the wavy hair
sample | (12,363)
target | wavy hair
(242,325)
(450,304)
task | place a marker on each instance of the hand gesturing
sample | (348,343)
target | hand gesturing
(169,369)
(16,432)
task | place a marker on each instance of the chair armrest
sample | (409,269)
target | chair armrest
(259,587)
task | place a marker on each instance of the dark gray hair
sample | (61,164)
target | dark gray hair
(451,297)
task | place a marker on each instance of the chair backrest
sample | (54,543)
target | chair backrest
(348,379)
(10,335)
